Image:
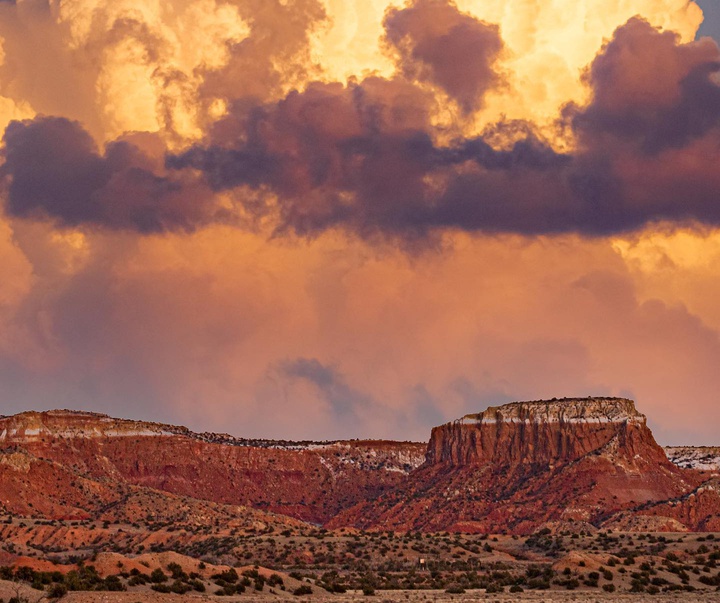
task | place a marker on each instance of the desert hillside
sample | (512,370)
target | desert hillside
(528,499)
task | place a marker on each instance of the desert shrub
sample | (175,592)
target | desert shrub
(228,575)
(113,583)
(177,572)
(303,589)
(274,580)
(538,584)
(56,591)
(25,574)
(161,588)
(179,587)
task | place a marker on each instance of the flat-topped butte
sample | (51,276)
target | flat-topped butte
(563,410)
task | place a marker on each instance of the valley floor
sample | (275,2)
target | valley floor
(8,590)
(86,562)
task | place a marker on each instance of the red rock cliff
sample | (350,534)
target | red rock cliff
(546,432)
(513,467)
(311,481)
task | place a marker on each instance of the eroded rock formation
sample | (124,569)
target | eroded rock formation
(510,468)
(311,481)
(513,467)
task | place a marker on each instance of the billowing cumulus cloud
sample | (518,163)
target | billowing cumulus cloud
(635,118)
(494,201)
(53,169)
(651,90)
(368,156)
(363,157)
(439,44)
(273,56)
(648,137)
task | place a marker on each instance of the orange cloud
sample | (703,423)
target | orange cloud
(228,331)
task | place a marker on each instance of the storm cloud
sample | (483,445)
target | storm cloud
(439,44)
(368,157)
(52,169)
(345,404)
(364,157)
(361,157)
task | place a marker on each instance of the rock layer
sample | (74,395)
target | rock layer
(509,468)
(552,431)
(311,481)
(700,458)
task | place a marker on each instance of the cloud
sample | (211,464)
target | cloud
(329,338)
(39,71)
(648,137)
(345,403)
(53,169)
(439,44)
(369,156)
(273,57)
(651,91)
(363,157)
(335,157)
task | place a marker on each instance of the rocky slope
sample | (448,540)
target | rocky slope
(33,487)
(700,458)
(509,468)
(309,481)
(514,467)
(696,511)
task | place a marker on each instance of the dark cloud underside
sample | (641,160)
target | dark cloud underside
(362,157)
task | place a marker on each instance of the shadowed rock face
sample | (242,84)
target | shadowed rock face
(547,432)
(697,511)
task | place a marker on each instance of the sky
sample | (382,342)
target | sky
(318,219)
(710,25)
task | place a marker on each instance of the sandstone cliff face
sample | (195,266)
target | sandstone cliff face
(514,467)
(308,481)
(541,432)
(29,427)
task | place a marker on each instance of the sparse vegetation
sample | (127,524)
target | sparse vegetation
(310,561)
